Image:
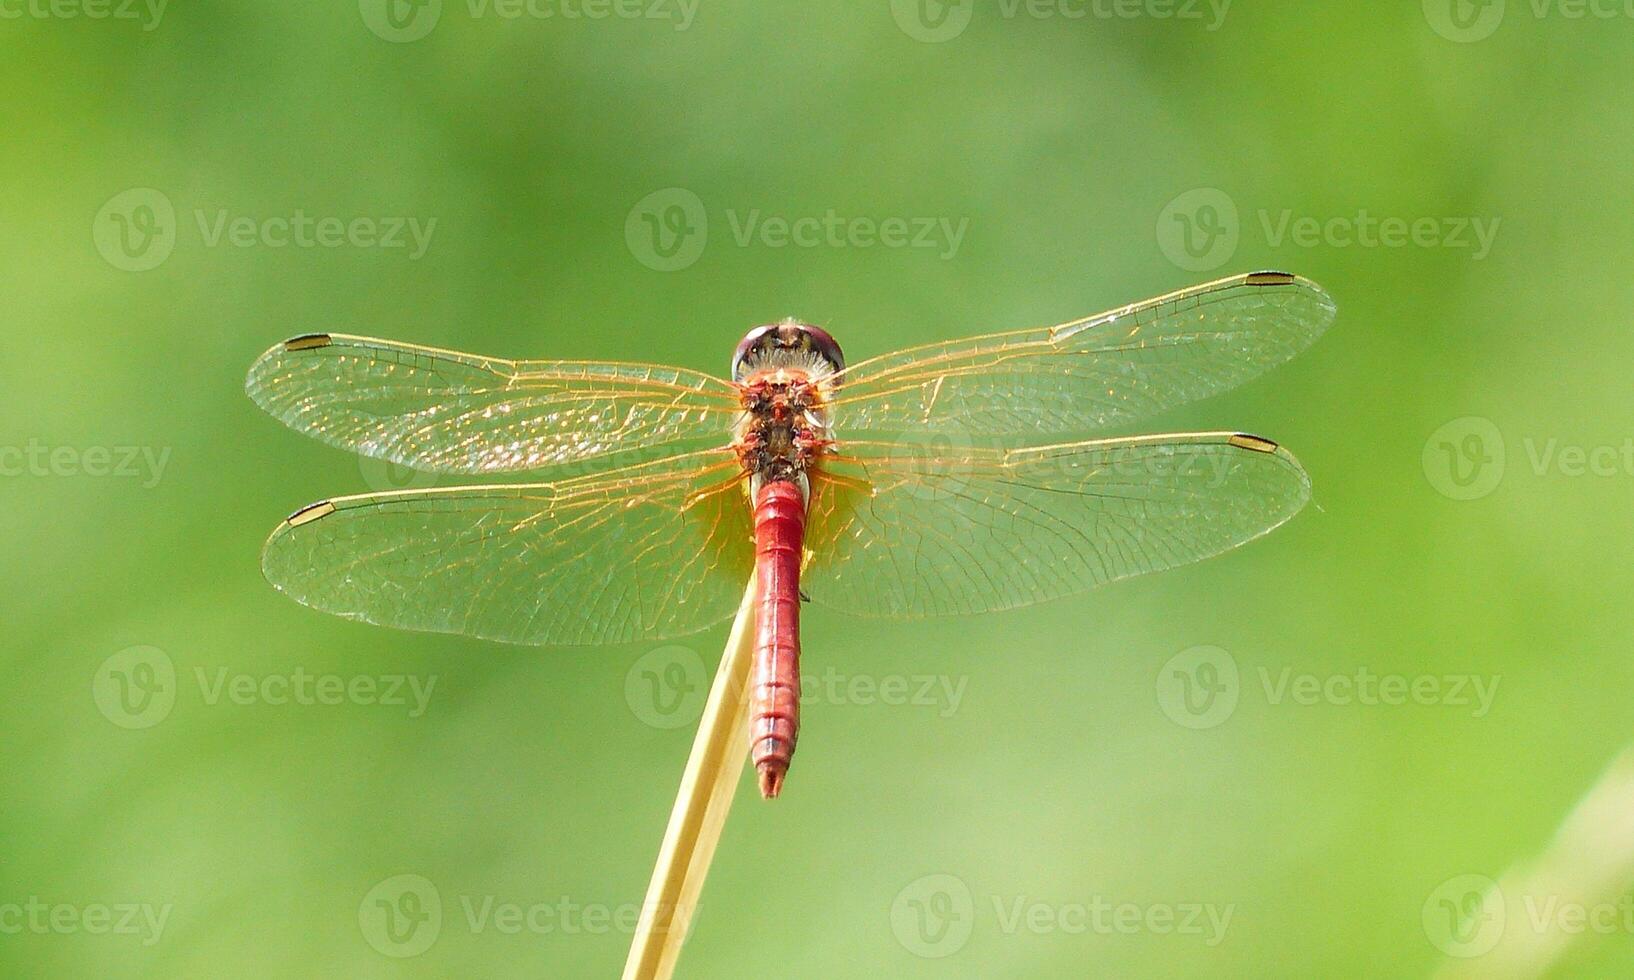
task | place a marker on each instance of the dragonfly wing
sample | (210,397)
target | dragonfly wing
(1089,374)
(900,534)
(651,551)
(444,411)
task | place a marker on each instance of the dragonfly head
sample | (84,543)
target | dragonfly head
(788,344)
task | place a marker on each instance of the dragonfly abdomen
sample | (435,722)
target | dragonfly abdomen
(774,695)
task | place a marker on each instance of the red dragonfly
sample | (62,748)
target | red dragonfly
(930,481)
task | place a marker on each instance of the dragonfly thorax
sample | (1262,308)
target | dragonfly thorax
(783,429)
(784,371)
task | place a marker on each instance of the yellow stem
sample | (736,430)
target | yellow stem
(712,775)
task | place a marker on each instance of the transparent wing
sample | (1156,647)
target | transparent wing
(657,550)
(898,532)
(448,412)
(1090,374)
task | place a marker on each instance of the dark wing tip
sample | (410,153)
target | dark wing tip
(307,341)
(268,362)
(310,513)
(1258,444)
(1273,277)
(1326,305)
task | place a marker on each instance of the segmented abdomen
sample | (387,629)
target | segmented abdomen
(774,694)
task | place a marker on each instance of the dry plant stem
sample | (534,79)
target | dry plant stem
(711,778)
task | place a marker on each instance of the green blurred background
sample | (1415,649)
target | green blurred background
(272,837)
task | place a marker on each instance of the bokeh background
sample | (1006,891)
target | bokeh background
(1018,795)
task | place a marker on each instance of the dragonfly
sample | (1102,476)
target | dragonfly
(957,477)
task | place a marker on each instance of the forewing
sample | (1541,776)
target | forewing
(652,551)
(1090,374)
(902,533)
(444,411)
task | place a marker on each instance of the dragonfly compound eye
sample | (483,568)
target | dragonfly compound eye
(824,343)
(787,344)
